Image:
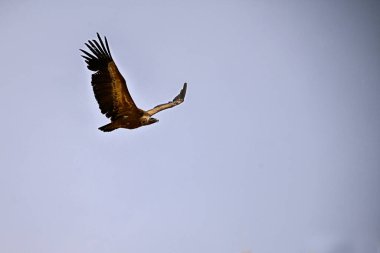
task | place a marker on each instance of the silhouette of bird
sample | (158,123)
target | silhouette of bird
(112,94)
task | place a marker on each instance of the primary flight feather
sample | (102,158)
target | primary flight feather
(112,94)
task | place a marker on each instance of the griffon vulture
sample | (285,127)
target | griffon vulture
(112,94)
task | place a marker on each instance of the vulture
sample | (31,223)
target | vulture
(112,94)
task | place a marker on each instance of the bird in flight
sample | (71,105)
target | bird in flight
(112,94)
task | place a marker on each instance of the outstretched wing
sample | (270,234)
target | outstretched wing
(176,101)
(109,86)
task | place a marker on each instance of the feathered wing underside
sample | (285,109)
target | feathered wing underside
(176,101)
(109,86)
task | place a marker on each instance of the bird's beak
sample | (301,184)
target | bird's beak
(153,120)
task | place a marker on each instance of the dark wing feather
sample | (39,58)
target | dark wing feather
(109,86)
(176,101)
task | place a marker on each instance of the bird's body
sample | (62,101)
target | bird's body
(112,94)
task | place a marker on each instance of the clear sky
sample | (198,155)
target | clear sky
(276,148)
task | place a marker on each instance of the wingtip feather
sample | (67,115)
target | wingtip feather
(108,49)
(183,91)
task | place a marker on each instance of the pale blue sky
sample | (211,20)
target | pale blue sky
(276,148)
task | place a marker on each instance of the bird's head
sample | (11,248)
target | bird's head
(146,119)
(151,121)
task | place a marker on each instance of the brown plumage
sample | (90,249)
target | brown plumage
(112,94)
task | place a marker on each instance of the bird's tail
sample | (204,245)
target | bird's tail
(109,127)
